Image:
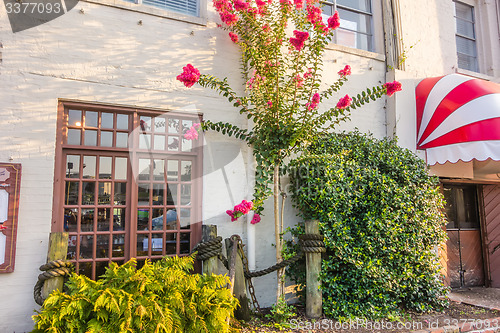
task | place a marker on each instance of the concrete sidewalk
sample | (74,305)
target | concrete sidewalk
(488,298)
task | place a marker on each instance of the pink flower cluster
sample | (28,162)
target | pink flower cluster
(234,37)
(344,102)
(299,39)
(314,102)
(242,209)
(315,18)
(298,4)
(240,5)
(346,71)
(192,133)
(308,74)
(299,80)
(255,81)
(189,76)
(334,21)
(392,87)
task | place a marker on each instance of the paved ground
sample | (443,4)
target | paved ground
(483,297)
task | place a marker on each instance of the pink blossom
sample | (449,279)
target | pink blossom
(285,3)
(189,76)
(314,16)
(299,40)
(244,207)
(298,4)
(223,5)
(255,219)
(196,125)
(299,80)
(270,104)
(228,18)
(308,74)
(392,87)
(234,37)
(344,102)
(191,134)
(314,102)
(346,71)
(266,28)
(240,5)
(260,3)
(334,21)
(232,215)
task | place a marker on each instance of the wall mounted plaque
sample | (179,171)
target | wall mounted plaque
(10,185)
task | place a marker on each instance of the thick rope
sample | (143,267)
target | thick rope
(52,269)
(275,267)
(209,249)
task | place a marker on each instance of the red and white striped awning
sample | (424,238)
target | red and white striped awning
(458,118)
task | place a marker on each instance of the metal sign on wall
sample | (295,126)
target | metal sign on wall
(10,184)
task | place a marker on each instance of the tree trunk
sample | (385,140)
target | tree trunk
(280,284)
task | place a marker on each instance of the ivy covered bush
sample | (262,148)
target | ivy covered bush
(381,215)
(160,297)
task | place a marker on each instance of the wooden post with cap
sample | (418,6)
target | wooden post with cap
(314,298)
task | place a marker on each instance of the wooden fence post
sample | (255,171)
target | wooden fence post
(239,286)
(58,249)
(314,298)
(210,265)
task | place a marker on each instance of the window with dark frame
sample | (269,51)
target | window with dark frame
(188,7)
(466,37)
(356,22)
(129,185)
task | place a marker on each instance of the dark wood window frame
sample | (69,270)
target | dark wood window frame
(188,191)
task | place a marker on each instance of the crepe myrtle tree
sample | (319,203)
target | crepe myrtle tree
(283,72)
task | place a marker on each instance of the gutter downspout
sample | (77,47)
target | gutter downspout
(250,227)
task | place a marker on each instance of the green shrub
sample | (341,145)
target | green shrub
(381,215)
(159,297)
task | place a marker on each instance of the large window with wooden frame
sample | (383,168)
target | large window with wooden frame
(127,184)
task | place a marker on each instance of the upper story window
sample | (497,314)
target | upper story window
(356,26)
(466,37)
(189,7)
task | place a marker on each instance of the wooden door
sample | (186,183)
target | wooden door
(464,246)
(491,195)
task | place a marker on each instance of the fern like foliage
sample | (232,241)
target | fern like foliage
(159,297)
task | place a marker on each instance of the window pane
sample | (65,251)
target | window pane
(90,138)
(87,220)
(185,218)
(186,171)
(464,11)
(71,247)
(100,268)
(172,195)
(71,193)
(171,243)
(157,244)
(173,143)
(467,62)
(160,125)
(104,194)
(363,5)
(106,120)
(466,46)
(171,219)
(142,244)
(102,246)
(144,169)
(121,168)
(173,126)
(185,194)
(122,121)
(86,244)
(88,193)
(106,139)
(157,219)
(189,7)
(70,219)
(355,21)
(187,144)
(145,141)
(159,170)
(158,190)
(185,243)
(142,218)
(91,119)
(89,165)
(173,170)
(85,268)
(73,166)
(118,219)
(465,28)
(120,194)
(105,167)
(143,194)
(159,142)
(121,140)
(74,136)
(75,118)
(103,219)
(118,245)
